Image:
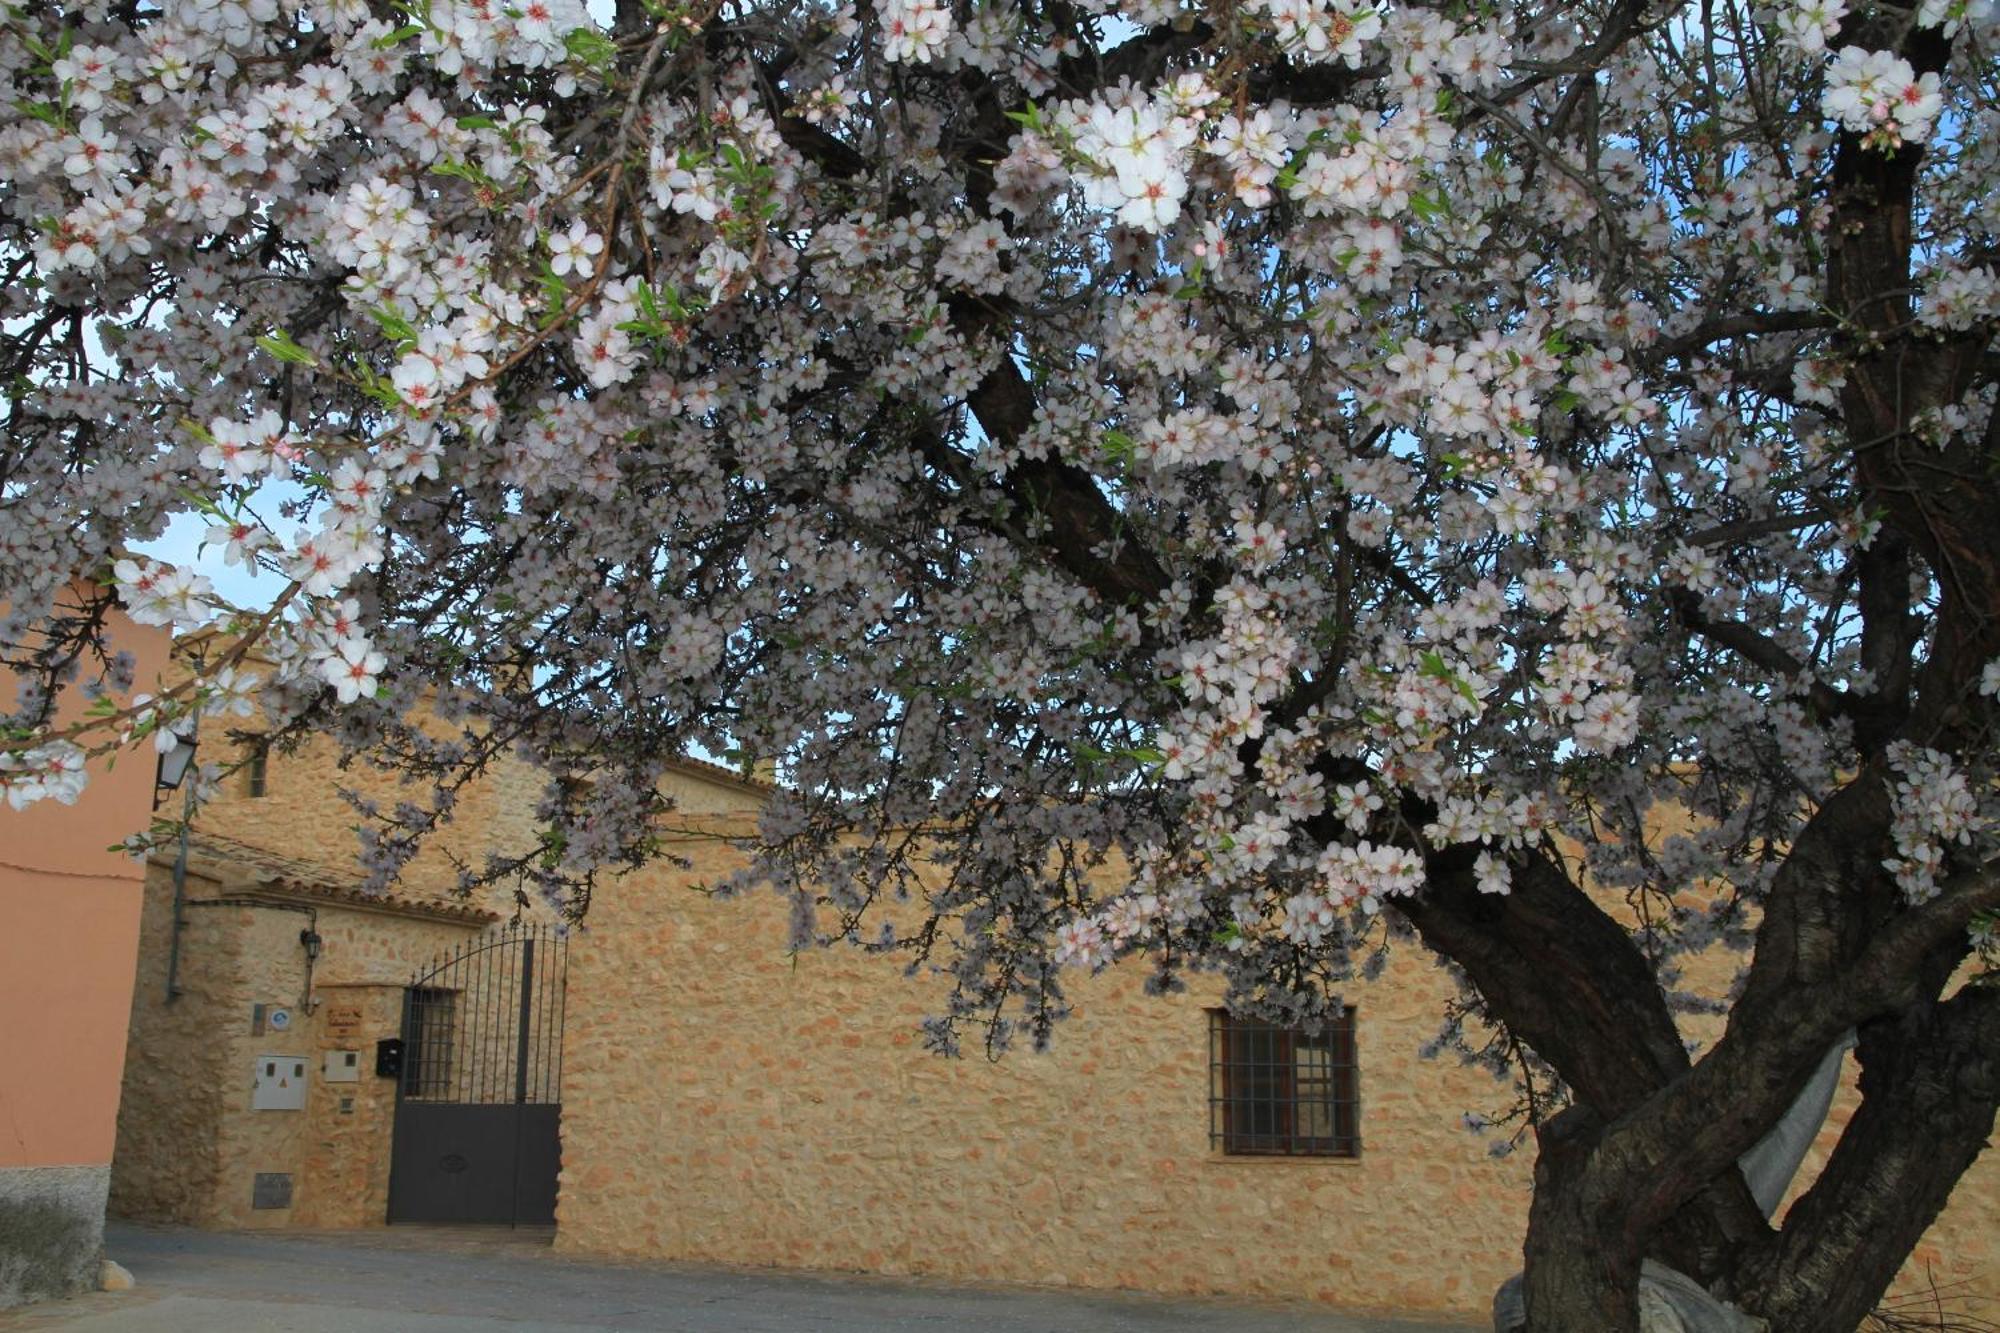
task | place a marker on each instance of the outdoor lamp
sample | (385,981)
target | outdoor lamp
(310,939)
(174,764)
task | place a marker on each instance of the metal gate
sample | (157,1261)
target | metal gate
(478,1103)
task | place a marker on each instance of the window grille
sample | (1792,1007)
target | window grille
(256,780)
(430,1063)
(1278,1091)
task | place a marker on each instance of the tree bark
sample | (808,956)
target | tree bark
(1930,1084)
(1578,1276)
(1569,981)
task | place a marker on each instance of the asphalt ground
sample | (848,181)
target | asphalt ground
(467,1280)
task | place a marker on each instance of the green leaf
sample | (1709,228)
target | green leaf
(394,326)
(1193,286)
(280,345)
(1029,119)
(379,388)
(554,294)
(201,503)
(402,34)
(1429,208)
(46,112)
(591,47)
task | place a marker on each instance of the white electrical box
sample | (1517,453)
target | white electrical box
(343,1067)
(279,1084)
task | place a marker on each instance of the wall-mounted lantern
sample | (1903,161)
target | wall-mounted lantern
(174,765)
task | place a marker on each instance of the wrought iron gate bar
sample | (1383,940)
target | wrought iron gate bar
(478,1102)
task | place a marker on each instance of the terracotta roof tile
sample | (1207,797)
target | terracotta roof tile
(293,876)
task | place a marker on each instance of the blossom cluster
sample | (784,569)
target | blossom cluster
(1878,94)
(51,772)
(1303,456)
(1934,807)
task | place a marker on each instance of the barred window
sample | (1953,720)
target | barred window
(430,1055)
(1283,1091)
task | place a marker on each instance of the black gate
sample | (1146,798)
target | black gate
(478,1103)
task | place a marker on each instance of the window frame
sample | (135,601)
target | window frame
(1256,1093)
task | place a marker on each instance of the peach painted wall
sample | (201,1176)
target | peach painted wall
(69,933)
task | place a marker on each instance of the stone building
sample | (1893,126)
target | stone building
(251,1098)
(723,1100)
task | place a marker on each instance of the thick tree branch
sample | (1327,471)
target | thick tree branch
(1569,981)
(1760,652)
(1934,1067)
(1726,327)
(1564,976)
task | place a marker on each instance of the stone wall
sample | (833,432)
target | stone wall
(165,1165)
(302,813)
(190,1145)
(727,1102)
(51,1230)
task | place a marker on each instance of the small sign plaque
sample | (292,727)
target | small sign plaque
(343,1020)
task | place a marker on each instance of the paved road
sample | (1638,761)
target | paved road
(417,1281)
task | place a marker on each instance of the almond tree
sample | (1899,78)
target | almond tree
(1351,466)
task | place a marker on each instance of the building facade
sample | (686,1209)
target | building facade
(724,1100)
(264,985)
(69,931)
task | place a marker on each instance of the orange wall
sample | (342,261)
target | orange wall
(69,932)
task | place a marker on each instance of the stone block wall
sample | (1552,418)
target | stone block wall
(727,1102)
(165,1166)
(190,1145)
(302,813)
(51,1230)
(302,809)
(342,1171)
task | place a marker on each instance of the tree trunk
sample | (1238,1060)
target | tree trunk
(1930,1083)
(1578,1276)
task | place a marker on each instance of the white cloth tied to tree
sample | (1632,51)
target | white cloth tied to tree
(1671,1301)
